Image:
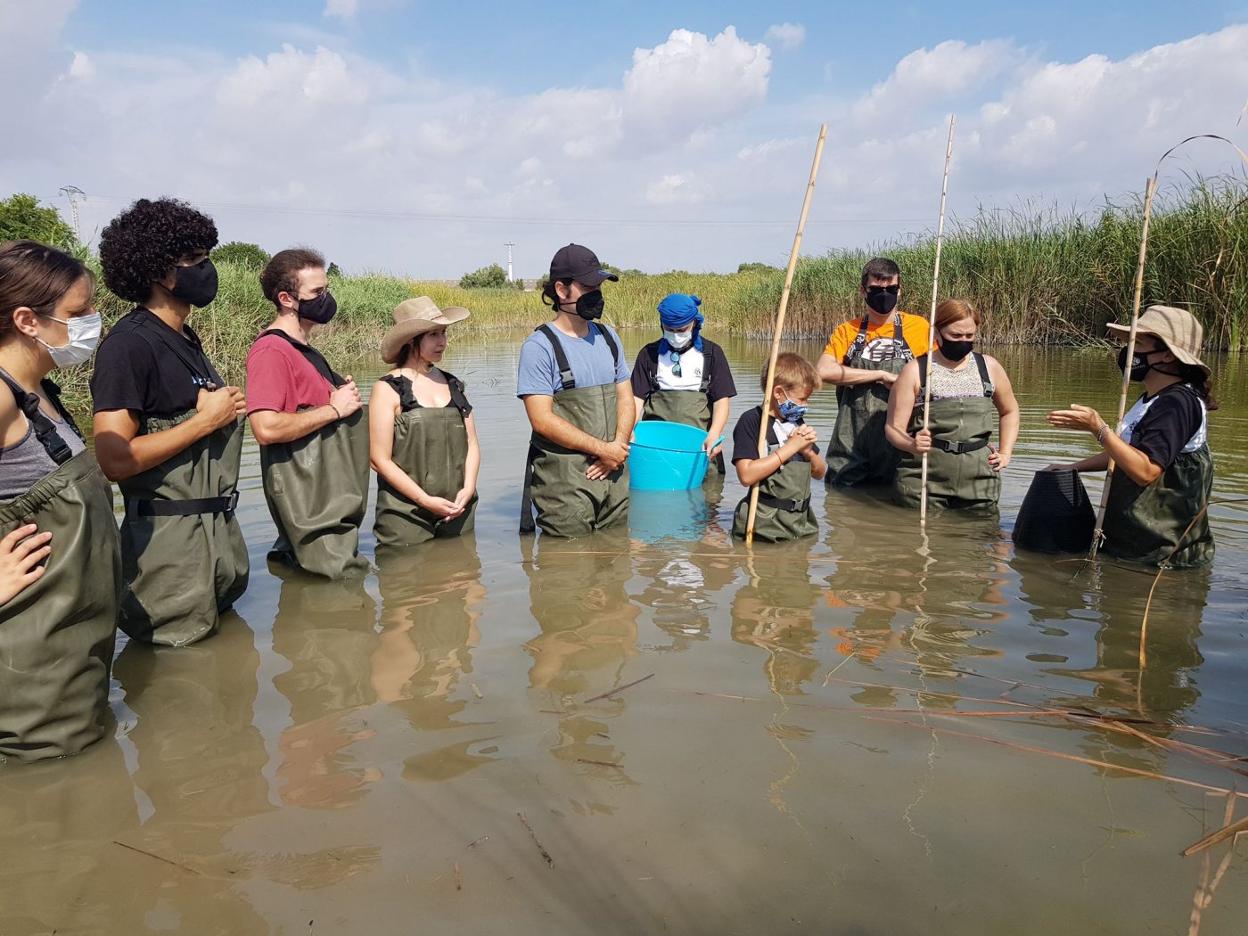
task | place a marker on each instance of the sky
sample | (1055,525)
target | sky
(418,138)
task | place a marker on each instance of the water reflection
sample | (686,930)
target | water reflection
(773,609)
(325,629)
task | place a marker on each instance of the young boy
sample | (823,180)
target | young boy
(791,459)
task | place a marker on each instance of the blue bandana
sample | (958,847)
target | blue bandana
(677,311)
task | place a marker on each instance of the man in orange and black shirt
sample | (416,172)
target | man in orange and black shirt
(863,358)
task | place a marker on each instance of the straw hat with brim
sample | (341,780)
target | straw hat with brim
(1177,328)
(414,317)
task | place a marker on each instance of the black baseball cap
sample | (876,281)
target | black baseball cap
(575,262)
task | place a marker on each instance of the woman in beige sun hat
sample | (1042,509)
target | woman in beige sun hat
(423,440)
(1163,472)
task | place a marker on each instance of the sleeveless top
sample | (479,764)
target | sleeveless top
(950,384)
(24,464)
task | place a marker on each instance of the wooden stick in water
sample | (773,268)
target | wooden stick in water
(931,321)
(779,329)
(1150,190)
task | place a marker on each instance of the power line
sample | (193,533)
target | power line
(405,215)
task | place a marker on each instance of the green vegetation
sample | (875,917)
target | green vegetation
(22,218)
(1039,277)
(488,277)
(240,253)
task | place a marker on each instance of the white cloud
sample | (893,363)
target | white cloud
(686,131)
(343,9)
(786,35)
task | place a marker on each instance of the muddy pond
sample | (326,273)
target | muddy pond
(873,731)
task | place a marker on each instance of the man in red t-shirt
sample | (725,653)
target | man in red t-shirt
(307,419)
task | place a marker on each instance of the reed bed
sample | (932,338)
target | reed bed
(1040,275)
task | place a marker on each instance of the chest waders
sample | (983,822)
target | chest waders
(183,556)
(317,487)
(958,473)
(431,446)
(784,511)
(56,635)
(858,452)
(689,407)
(1146,524)
(567,502)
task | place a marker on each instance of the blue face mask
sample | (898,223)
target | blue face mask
(792,412)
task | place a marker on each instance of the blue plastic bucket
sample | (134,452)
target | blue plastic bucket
(664,516)
(666,456)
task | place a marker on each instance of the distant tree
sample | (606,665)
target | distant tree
(333,270)
(488,277)
(631,272)
(757,268)
(21,217)
(243,254)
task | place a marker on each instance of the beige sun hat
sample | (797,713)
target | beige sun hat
(1177,328)
(414,317)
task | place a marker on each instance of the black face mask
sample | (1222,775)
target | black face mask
(319,310)
(1139,363)
(882,302)
(590,305)
(196,285)
(955,350)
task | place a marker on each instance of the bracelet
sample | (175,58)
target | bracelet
(1100,433)
(334,408)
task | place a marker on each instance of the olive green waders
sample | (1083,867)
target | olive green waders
(958,473)
(784,511)
(317,487)
(858,452)
(56,635)
(567,502)
(1147,524)
(688,407)
(431,447)
(183,556)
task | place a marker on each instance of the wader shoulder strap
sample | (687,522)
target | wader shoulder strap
(606,336)
(44,428)
(901,348)
(922,362)
(203,374)
(982,365)
(459,399)
(527,523)
(707,357)
(403,387)
(311,355)
(53,392)
(859,342)
(567,381)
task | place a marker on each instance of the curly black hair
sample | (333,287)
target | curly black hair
(143,243)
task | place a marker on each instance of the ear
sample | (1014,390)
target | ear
(26,321)
(287,302)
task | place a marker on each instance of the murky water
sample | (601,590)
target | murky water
(865,733)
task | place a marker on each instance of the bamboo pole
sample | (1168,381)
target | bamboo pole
(931,320)
(779,329)
(1150,190)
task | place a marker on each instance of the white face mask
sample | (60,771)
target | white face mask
(84,335)
(679,339)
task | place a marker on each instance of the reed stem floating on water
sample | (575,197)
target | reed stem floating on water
(779,328)
(931,321)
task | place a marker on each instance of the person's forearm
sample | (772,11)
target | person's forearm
(834,372)
(1131,461)
(899,440)
(1009,433)
(719,418)
(398,479)
(272,428)
(750,471)
(638,405)
(472,464)
(1097,462)
(558,430)
(818,466)
(625,413)
(121,458)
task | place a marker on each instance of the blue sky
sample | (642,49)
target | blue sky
(417,137)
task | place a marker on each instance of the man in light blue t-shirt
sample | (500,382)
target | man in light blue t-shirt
(575,384)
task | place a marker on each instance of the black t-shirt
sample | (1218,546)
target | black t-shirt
(745,435)
(145,366)
(1168,425)
(645,371)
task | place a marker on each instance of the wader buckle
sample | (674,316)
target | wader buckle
(959,448)
(779,503)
